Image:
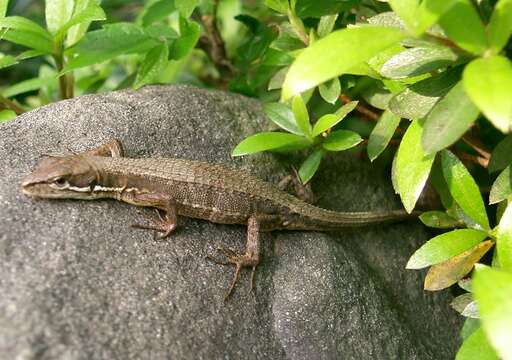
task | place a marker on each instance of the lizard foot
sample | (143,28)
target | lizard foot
(163,226)
(239,261)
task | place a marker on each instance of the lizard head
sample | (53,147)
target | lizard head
(70,176)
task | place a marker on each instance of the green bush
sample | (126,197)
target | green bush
(428,81)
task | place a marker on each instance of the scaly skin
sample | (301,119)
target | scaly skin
(189,188)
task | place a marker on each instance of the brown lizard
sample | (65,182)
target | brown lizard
(189,188)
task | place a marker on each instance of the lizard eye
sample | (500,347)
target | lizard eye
(61,182)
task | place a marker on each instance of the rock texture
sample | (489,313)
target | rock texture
(78,283)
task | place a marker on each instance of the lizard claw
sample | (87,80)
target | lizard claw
(163,227)
(239,261)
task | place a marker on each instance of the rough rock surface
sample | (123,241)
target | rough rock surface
(78,283)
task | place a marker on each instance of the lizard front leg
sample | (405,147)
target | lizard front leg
(251,257)
(113,148)
(165,224)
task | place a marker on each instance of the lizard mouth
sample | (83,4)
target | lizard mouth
(51,191)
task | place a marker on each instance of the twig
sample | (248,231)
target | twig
(11,105)
(484,162)
(214,45)
(477,145)
(367,113)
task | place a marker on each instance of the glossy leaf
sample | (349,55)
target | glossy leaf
(493,291)
(438,219)
(318,8)
(7,60)
(463,25)
(310,165)
(189,35)
(330,90)
(267,141)
(499,28)
(412,166)
(326,24)
(476,346)
(418,99)
(276,82)
(283,117)
(93,12)
(501,156)
(429,12)
(6,115)
(77,32)
(301,115)
(406,10)
(26,86)
(502,187)
(447,273)
(186,7)
(25,32)
(464,189)
(444,247)
(107,43)
(465,305)
(153,64)
(57,13)
(330,120)
(417,61)
(155,11)
(335,54)
(504,239)
(280,6)
(488,82)
(340,140)
(382,134)
(3,7)
(439,183)
(448,120)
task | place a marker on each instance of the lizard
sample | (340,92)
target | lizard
(180,187)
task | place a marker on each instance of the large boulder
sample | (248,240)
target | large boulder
(78,283)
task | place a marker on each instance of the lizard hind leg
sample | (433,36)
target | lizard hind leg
(250,258)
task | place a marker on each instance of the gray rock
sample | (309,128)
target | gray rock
(78,283)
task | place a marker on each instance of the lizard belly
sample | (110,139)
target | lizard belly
(212,214)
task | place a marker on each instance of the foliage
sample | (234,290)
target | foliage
(428,81)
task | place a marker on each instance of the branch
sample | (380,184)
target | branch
(367,113)
(11,105)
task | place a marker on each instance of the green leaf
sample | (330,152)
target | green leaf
(26,86)
(91,13)
(3,7)
(283,117)
(438,182)
(301,115)
(500,25)
(76,32)
(502,187)
(326,24)
(7,60)
(387,19)
(152,65)
(418,99)
(280,6)
(330,90)
(156,11)
(107,43)
(328,121)
(501,156)
(57,13)
(6,115)
(417,61)
(267,141)
(488,82)
(448,120)
(447,273)
(463,25)
(465,305)
(406,10)
(287,40)
(493,292)
(382,134)
(476,346)
(335,54)
(310,166)
(444,247)
(428,14)
(464,189)
(412,166)
(340,140)
(318,8)
(504,239)
(27,33)
(186,7)
(469,327)
(276,82)
(438,219)
(189,34)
